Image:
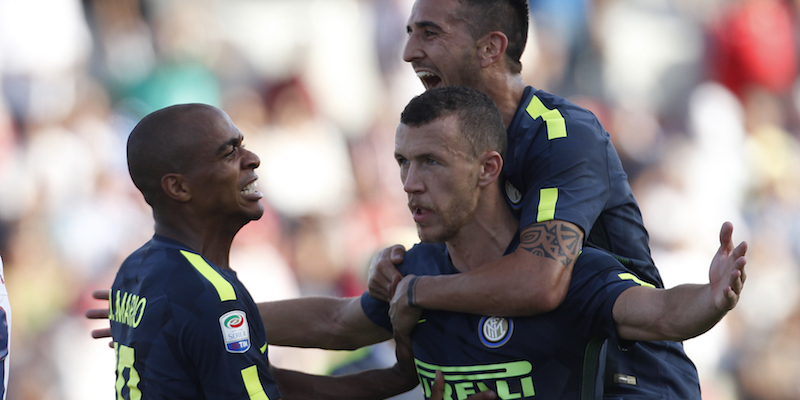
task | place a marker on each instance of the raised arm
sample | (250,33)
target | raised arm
(533,279)
(685,311)
(321,322)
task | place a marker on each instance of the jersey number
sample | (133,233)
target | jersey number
(125,359)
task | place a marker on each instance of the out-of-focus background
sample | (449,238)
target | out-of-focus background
(700,97)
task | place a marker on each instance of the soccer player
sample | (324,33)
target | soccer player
(5,333)
(562,177)
(455,197)
(183,325)
(448,146)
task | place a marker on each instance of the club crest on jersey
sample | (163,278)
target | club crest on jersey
(513,194)
(495,331)
(235,331)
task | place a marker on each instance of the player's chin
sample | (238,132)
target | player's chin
(254,211)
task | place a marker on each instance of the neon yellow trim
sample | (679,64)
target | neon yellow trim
(632,277)
(224,288)
(547,204)
(477,372)
(125,358)
(263,348)
(556,127)
(253,384)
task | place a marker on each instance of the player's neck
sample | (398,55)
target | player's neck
(213,244)
(506,90)
(485,238)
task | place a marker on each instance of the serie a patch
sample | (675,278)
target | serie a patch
(235,331)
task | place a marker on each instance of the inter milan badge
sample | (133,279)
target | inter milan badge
(235,331)
(514,196)
(495,331)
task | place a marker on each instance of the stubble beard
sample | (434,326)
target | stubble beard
(452,222)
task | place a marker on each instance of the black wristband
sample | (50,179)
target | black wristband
(411,293)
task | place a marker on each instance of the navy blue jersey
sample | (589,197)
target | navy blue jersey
(185,329)
(549,356)
(561,165)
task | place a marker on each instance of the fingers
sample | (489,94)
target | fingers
(726,235)
(437,391)
(100,294)
(101,333)
(382,271)
(740,250)
(397,254)
(393,285)
(738,275)
(97,313)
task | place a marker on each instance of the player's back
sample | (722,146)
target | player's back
(185,329)
(153,284)
(557,145)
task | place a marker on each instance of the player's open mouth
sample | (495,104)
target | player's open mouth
(421,214)
(250,188)
(429,79)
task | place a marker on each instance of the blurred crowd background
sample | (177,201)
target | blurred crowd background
(700,96)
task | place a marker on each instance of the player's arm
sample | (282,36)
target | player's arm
(320,322)
(365,385)
(533,279)
(685,311)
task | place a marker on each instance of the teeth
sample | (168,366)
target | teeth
(250,189)
(425,74)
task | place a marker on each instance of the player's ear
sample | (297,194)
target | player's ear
(175,187)
(491,167)
(492,47)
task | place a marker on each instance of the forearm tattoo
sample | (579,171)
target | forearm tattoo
(552,239)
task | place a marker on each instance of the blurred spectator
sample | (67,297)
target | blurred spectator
(701,99)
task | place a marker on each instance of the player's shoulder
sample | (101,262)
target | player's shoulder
(425,259)
(577,118)
(589,254)
(153,259)
(593,260)
(165,265)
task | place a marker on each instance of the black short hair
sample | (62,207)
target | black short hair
(508,16)
(163,142)
(479,119)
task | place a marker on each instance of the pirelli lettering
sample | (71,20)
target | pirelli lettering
(511,380)
(126,308)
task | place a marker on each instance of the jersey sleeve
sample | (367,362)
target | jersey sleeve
(377,311)
(421,259)
(565,166)
(597,281)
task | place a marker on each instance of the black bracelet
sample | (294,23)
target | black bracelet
(411,293)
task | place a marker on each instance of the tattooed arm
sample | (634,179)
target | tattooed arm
(532,280)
